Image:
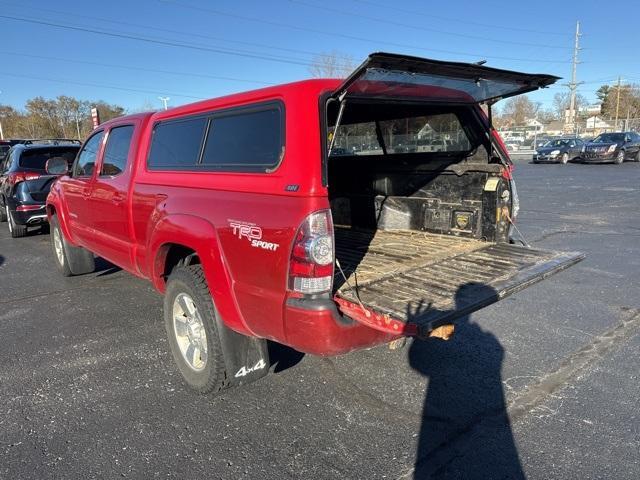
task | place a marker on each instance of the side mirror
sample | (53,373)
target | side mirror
(627,139)
(56,166)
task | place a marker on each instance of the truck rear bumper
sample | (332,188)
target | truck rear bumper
(316,327)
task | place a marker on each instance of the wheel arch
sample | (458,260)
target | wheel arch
(187,239)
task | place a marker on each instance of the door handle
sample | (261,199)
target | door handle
(118,198)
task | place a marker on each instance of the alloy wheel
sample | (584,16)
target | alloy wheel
(190,333)
(57,245)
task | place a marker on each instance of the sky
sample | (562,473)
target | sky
(130,52)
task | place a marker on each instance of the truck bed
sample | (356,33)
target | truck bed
(430,279)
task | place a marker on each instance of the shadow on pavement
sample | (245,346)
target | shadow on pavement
(465,431)
(103,267)
(283,357)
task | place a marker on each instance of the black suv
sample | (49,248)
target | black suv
(613,148)
(25,183)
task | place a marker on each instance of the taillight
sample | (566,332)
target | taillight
(312,255)
(28,208)
(507,173)
(17,177)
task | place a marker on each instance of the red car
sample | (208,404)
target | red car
(326,215)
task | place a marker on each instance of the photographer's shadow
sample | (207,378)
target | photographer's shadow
(465,431)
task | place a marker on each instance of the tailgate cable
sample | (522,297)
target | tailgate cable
(355,291)
(510,220)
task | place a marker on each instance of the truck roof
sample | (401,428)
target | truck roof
(307,88)
(312,87)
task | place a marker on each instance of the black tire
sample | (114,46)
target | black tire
(619,157)
(637,157)
(564,159)
(59,253)
(15,230)
(190,280)
(3,213)
(70,260)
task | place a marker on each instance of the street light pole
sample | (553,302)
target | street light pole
(165,101)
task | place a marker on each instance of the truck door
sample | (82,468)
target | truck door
(78,188)
(108,200)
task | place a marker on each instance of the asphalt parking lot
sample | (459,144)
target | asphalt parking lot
(544,384)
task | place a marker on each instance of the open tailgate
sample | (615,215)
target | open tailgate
(424,296)
(400,76)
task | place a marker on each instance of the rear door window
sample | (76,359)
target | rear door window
(116,151)
(248,141)
(86,161)
(177,144)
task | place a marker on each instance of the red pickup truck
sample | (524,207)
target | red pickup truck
(327,215)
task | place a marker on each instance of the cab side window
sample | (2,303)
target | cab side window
(116,151)
(86,160)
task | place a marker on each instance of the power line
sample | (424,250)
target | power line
(99,85)
(134,68)
(458,20)
(168,43)
(350,37)
(165,30)
(421,28)
(245,53)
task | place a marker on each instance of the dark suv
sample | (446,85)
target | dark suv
(612,148)
(25,183)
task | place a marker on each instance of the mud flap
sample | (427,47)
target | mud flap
(246,358)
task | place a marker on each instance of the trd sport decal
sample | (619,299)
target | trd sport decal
(253,234)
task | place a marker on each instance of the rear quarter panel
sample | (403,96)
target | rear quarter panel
(248,283)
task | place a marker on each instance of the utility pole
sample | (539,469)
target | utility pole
(574,84)
(1,131)
(626,123)
(165,101)
(617,101)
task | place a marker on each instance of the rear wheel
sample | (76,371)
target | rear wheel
(15,230)
(190,321)
(620,157)
(564,159)
(3,213)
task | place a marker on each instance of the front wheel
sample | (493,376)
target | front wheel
(70,260)
(637,157)
(57,244)
(620,157)
(190,321)
(3,213)
(564,159)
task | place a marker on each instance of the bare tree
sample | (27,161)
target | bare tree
(517,110)
(629,101)
(562,101)
(331,65)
